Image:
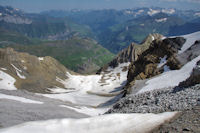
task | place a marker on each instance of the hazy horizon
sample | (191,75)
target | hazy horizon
(43,5)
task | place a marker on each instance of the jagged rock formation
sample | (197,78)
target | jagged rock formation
(132,52)
(150,62)
(32,73)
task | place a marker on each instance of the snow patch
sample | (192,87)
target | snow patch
(58,90)
(25,68)
(40,58)
(87,110)
(153,38)
(112,123)
(20,99)
(18,72)
(171,78)
(197,14)
(168,11)
(6,81)
(163,61)
(161,20)
(166,68)
(3,69)
(139,12)
(128,12)
(190,40)
(152,12)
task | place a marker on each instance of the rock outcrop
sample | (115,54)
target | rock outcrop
(32,73)
(160,57)
(132,52)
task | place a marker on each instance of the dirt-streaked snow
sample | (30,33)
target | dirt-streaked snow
(18,72)
(20,99)
(171,78)
(6,81)
(91,90)
(112,123)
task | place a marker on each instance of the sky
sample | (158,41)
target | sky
(43,5)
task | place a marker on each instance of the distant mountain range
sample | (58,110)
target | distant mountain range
(116,29)
(42,34)
(61,38)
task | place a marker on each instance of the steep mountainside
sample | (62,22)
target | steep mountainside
(80,55)
(132,52)
(40,26)
(29,72)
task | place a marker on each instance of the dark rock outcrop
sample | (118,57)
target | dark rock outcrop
(146,66)
(132,52)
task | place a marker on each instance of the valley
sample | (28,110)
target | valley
(95,71)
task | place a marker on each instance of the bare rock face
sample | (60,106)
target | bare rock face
(132,52)
(147,64)
(32,73)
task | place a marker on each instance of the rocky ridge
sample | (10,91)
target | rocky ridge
(158,58)
(32,73)
(132,52)
(13,15)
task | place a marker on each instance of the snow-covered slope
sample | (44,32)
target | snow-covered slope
(113,123)
(171,78)
(92,90)
(20,99)
(190,40)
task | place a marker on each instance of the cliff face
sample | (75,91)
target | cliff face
(132,52)
(32,73)
(160,57)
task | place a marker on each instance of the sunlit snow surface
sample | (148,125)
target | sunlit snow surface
(170,78)
(190,40)
(112,123)
(92,90)
(20,99)
(6,81)
(87,110)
